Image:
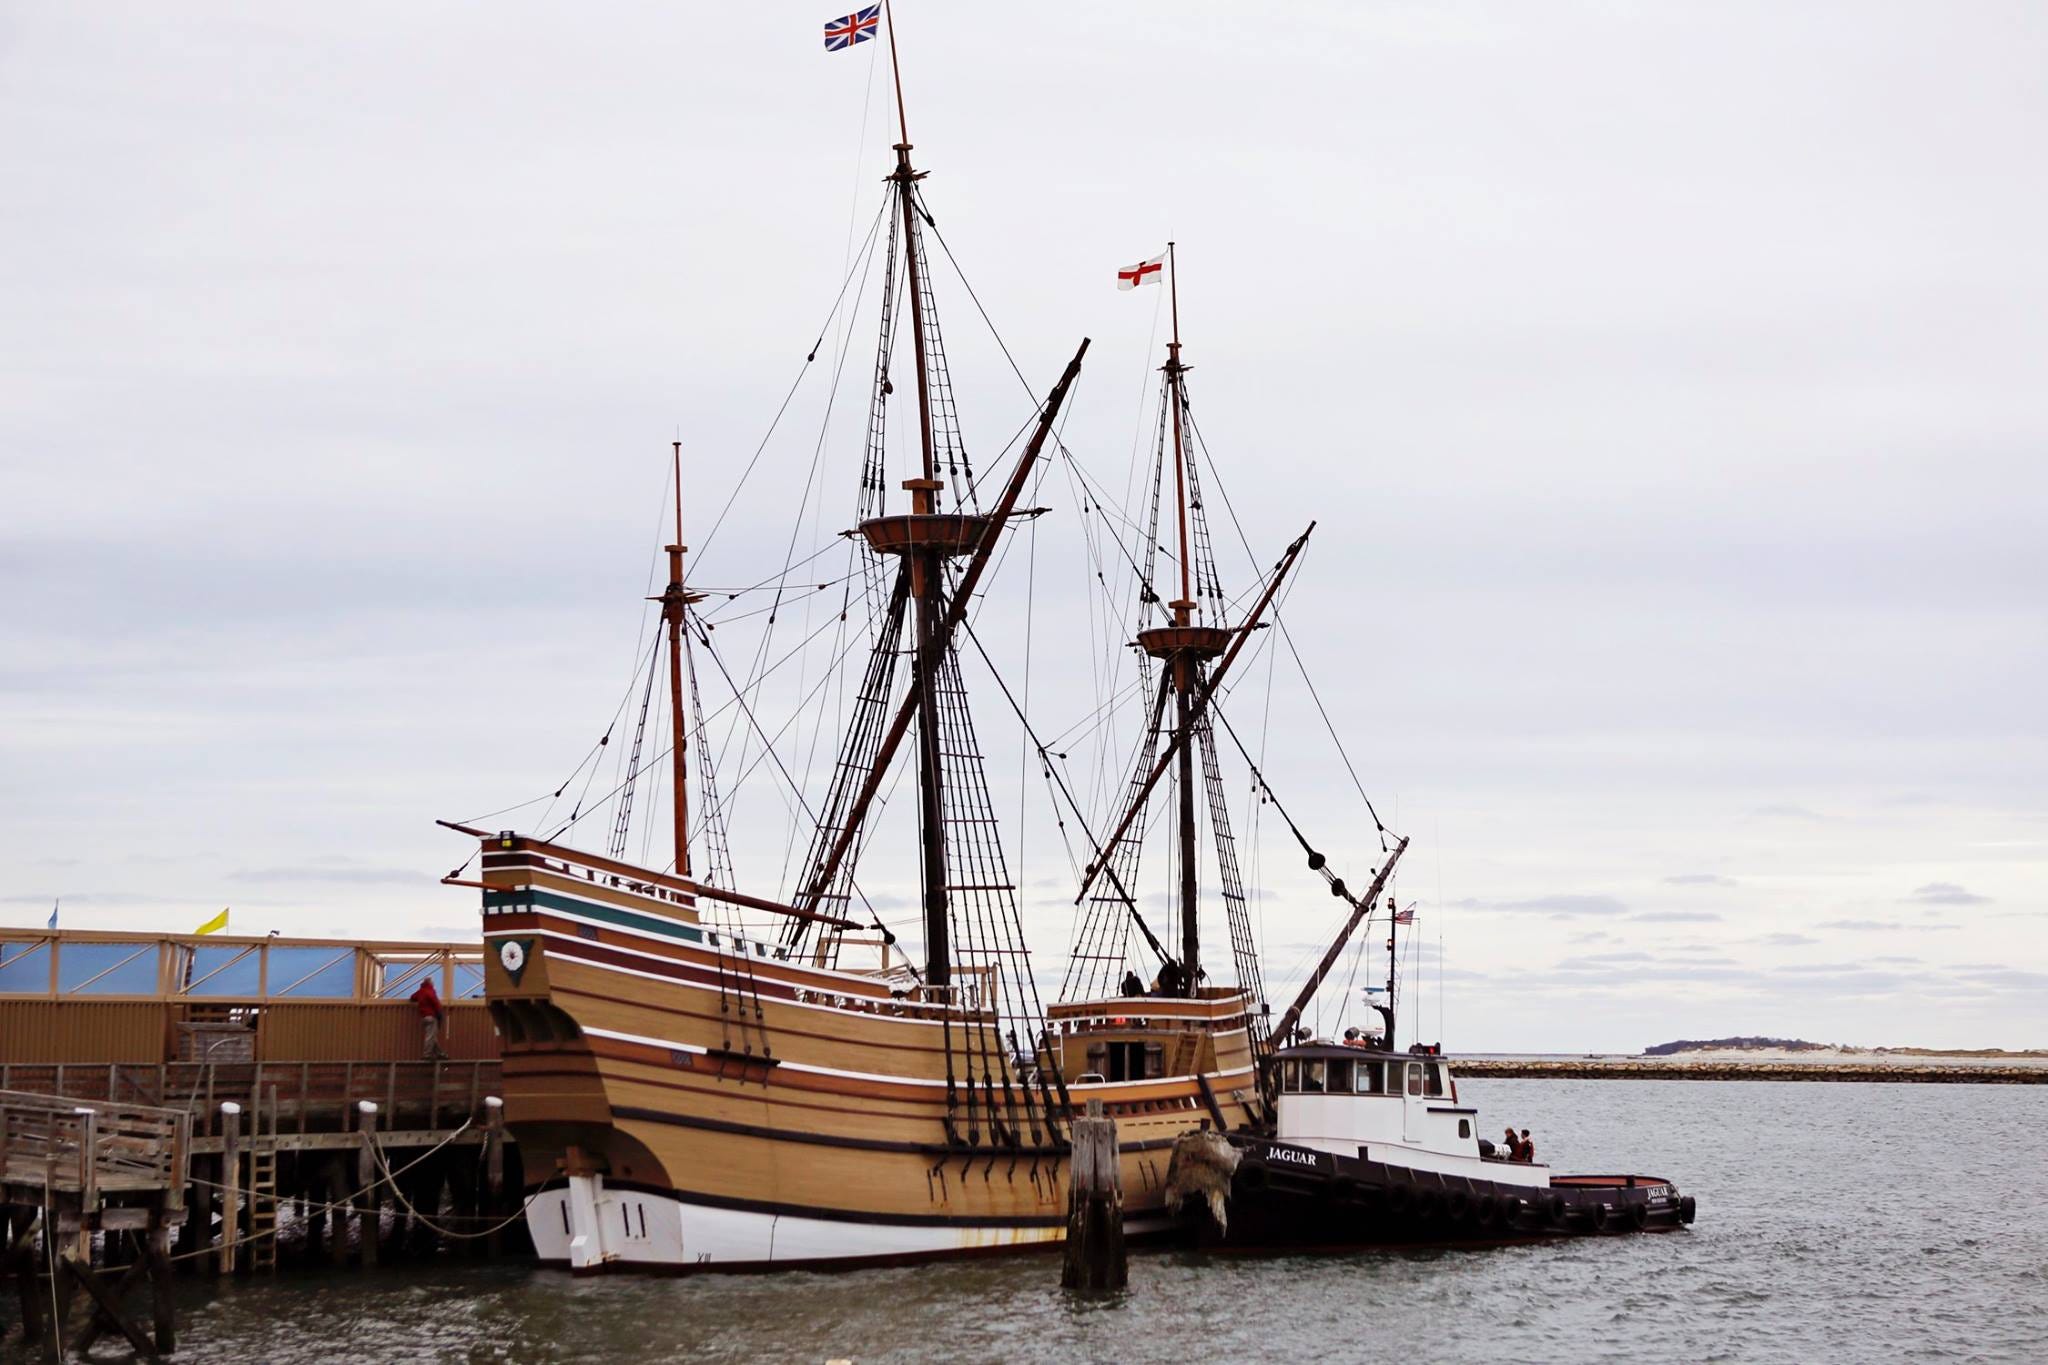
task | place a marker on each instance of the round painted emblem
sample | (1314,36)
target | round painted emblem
(512,955)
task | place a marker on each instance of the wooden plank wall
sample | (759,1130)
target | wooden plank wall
(72,1030)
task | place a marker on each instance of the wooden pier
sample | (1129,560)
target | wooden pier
(224,1106)
(71,1172)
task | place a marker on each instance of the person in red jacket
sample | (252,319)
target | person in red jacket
(431,1014)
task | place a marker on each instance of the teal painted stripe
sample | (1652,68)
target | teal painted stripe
(530,897)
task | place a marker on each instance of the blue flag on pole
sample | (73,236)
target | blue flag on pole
(53,911)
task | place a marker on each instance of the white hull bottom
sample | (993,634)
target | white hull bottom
(591,1228)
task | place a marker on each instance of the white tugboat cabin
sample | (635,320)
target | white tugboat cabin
(1400,1109)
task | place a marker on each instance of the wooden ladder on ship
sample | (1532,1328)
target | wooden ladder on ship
(1185,1054)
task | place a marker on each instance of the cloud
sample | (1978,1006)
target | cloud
(342,876)
(1783,811)
(1699,879)
(1863,924)
(1564,906)
(2006,976)
(1786,940)
(1676,917)
(1944,893)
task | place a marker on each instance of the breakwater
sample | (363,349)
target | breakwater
(1667,1069)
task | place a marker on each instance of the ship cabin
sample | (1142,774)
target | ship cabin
(1346,1098)
(1149,1037)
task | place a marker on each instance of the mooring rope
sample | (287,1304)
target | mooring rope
(347,1202)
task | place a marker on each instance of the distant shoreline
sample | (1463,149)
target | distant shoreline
(1902,1067)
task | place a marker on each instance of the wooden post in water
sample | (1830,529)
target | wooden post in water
(1095,1206)
(494,1168)
(231,1184)
(370,1222)
(163,1305)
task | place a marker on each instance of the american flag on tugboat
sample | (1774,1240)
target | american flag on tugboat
(857,27)
(1406,916)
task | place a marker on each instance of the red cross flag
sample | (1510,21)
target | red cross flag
(1144,272)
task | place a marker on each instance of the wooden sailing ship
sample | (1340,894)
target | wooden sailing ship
(688,1095)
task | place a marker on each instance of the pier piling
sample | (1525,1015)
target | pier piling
(369,1221)
(1095,1207)
(231,1184)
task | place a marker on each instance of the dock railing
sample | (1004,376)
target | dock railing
(93,1149)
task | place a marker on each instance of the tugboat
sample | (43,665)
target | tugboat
(1369,1146)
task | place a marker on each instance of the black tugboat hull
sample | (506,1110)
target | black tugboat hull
(1282,1197)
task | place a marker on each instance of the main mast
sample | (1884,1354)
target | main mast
(922,556)
(675,601)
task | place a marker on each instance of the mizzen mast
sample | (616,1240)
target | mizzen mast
(1183,648)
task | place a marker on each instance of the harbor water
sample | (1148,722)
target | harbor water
(1838,1222)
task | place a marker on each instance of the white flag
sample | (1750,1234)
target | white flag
(1144,272)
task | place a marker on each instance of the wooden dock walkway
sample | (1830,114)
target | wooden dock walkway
(252,1101)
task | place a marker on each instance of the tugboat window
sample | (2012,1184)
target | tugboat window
(1414,1078)
(1340,1078)
(1312,1078)
(1368,1078)
(1290,1075)
(1433,1083)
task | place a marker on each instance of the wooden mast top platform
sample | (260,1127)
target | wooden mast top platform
(952,534)
(1204,642)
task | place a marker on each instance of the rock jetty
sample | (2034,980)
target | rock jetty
(1668,1069)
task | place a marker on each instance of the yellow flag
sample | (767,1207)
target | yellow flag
(214,925)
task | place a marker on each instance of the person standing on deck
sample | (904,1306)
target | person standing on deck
(431,1014)
(1528,1147)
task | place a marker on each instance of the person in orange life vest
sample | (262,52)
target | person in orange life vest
(431,1015)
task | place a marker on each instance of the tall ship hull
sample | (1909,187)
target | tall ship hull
(687,1099)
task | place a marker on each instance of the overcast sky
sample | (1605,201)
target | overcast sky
(1667,382)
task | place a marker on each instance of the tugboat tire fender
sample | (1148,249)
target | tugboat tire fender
(1428,1203)
(1485,1210)
(1458,1205)
(1554,1207)
(1686,1209)
(1597,1216)
(1400,1198)
(1639,1216)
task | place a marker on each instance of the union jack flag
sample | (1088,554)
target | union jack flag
(857,27)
